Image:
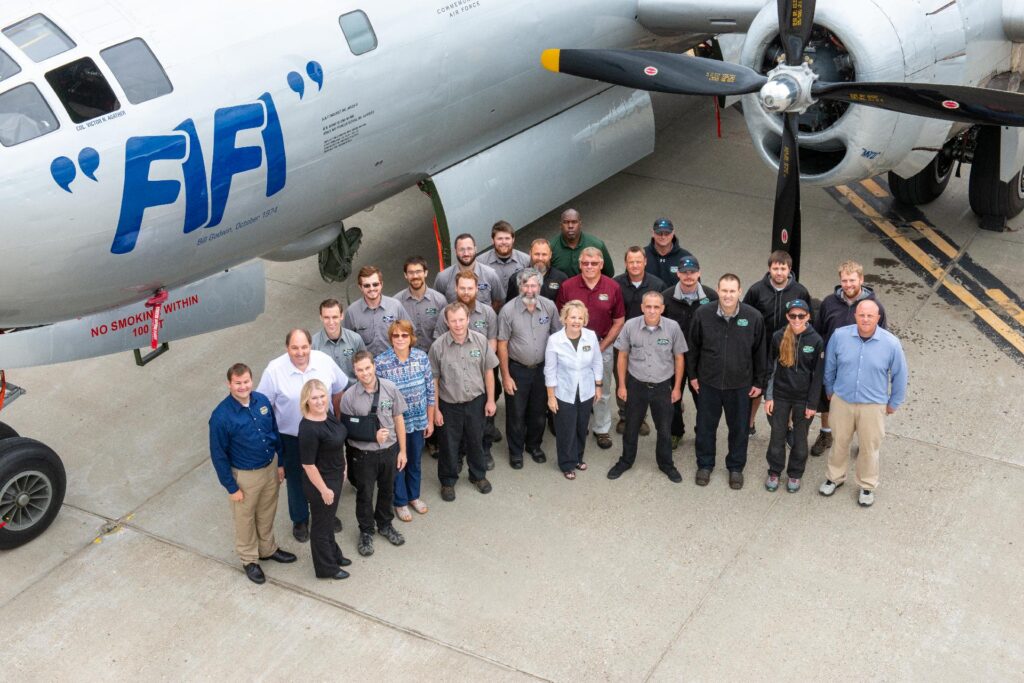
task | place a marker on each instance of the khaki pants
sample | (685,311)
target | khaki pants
(254,514)
(867,421)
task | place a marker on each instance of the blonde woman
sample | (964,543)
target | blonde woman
(321,438)
(573,373)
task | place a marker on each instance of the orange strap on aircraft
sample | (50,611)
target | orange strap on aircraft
(440,249)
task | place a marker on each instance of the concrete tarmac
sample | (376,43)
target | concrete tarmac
(633,579)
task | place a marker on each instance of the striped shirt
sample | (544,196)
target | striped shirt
(414,380)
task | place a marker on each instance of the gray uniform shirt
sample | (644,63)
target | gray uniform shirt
(357,401)
(505,269)
(460,368)
(651,352)
(341,349)
(482,319)
(489,287)
(372,323)
(527,333)
(425,313)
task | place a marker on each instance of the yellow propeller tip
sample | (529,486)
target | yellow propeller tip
(549,59)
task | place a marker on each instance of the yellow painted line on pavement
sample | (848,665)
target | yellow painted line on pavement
(1011,308)
(935,238)
(926,262)
(874,188)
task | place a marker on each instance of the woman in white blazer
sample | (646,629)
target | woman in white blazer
(573,376)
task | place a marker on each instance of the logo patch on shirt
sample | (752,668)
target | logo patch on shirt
(480,324)
(552,285)
(602,297)
(431,311)
(264,410)
(483,286)
(348,353)
(388,318)
(543,320)
(808,349)
(673,269)
(475,353)
(704,300)
(586,347)
(663,342)
(386,403)
(742,322)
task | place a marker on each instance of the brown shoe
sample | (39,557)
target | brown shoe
(483,486)
(736,480)
(603,440)
(822,443)
(620,426)
(702,477)
(645,428)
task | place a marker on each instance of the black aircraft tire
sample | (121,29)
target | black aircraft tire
(990,196)
(926,185)
(6,431)
(32,488)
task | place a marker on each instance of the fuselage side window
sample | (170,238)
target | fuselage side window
(24,115)
(8,67)
(38,37)
(137,70)
(83,90)
(358,32)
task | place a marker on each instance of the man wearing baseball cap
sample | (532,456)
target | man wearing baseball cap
(664,252)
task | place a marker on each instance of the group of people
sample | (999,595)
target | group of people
(551,329)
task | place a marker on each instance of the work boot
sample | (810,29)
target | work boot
(822,443)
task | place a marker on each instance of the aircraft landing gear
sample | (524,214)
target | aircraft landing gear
(336,260)
(927,184)
(32,488)
(991,198)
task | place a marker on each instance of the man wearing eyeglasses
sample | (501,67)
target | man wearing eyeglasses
(664,253)
(421,302)
(491,290)
(607,314)
(568,247)
(372,316)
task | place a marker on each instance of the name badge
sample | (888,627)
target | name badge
(586,347)
(431,311)
(543,320)
(663,342)
(808,349)
(704,300)
(602,297)
(552,285)
(388,318)
(475,353)
(353,418)
(264,410)
(742,322)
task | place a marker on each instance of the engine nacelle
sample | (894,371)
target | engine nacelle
(862,41)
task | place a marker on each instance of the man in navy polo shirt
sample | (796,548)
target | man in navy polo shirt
(243,445)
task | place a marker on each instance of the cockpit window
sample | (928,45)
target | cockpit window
(8,67)
(358,32)
(83,90)
(137,70)
(24,115)
(38,37)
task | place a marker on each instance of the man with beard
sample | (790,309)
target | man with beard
(837,310)
(372,315)
(423,304)
(567,248)
(664,253)
(491,289)
(540,260)
(504,258)
(771,296)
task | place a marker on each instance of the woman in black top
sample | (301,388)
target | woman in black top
(321,437)
(797,370)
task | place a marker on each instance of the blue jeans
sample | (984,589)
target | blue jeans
(298,506)
(407,482)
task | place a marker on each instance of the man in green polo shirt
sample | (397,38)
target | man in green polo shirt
(565,250)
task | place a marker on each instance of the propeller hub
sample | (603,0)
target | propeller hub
(788,90)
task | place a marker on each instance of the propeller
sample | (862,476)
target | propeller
(788,90)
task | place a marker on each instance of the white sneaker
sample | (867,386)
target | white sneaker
(829,487)
(866,498)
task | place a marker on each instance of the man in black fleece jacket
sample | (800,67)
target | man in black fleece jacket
(728,366)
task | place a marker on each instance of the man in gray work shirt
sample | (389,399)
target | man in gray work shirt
(650,374)
(504,258)
(524,325)
(462,363)
(373,314)
(491,289)
(422,303)
(336,341)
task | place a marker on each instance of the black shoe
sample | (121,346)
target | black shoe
(337,525)
(822,443)
(489,461)
(538,456)
(255,574)
(391,533)
(702,477)
(673,474)
(447,493)
(616,471)
(344,562)
(515,464)
(282,556)
(483,486)
(342,574)
(365,546)
(735,480)
(301,532)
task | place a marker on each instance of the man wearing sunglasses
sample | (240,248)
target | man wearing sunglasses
(664,253)
(373,314)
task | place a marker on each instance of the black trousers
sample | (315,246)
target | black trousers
(571,422)
(678,429)
(777,443)
(367,469)
(326,553)
(711,402)
(639,397)
(463,425)
(525,410)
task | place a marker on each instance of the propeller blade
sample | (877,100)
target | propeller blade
(658,71)
(786,219)
(949,102)
(796,19)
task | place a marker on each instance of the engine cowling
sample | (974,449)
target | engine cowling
(860,41)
